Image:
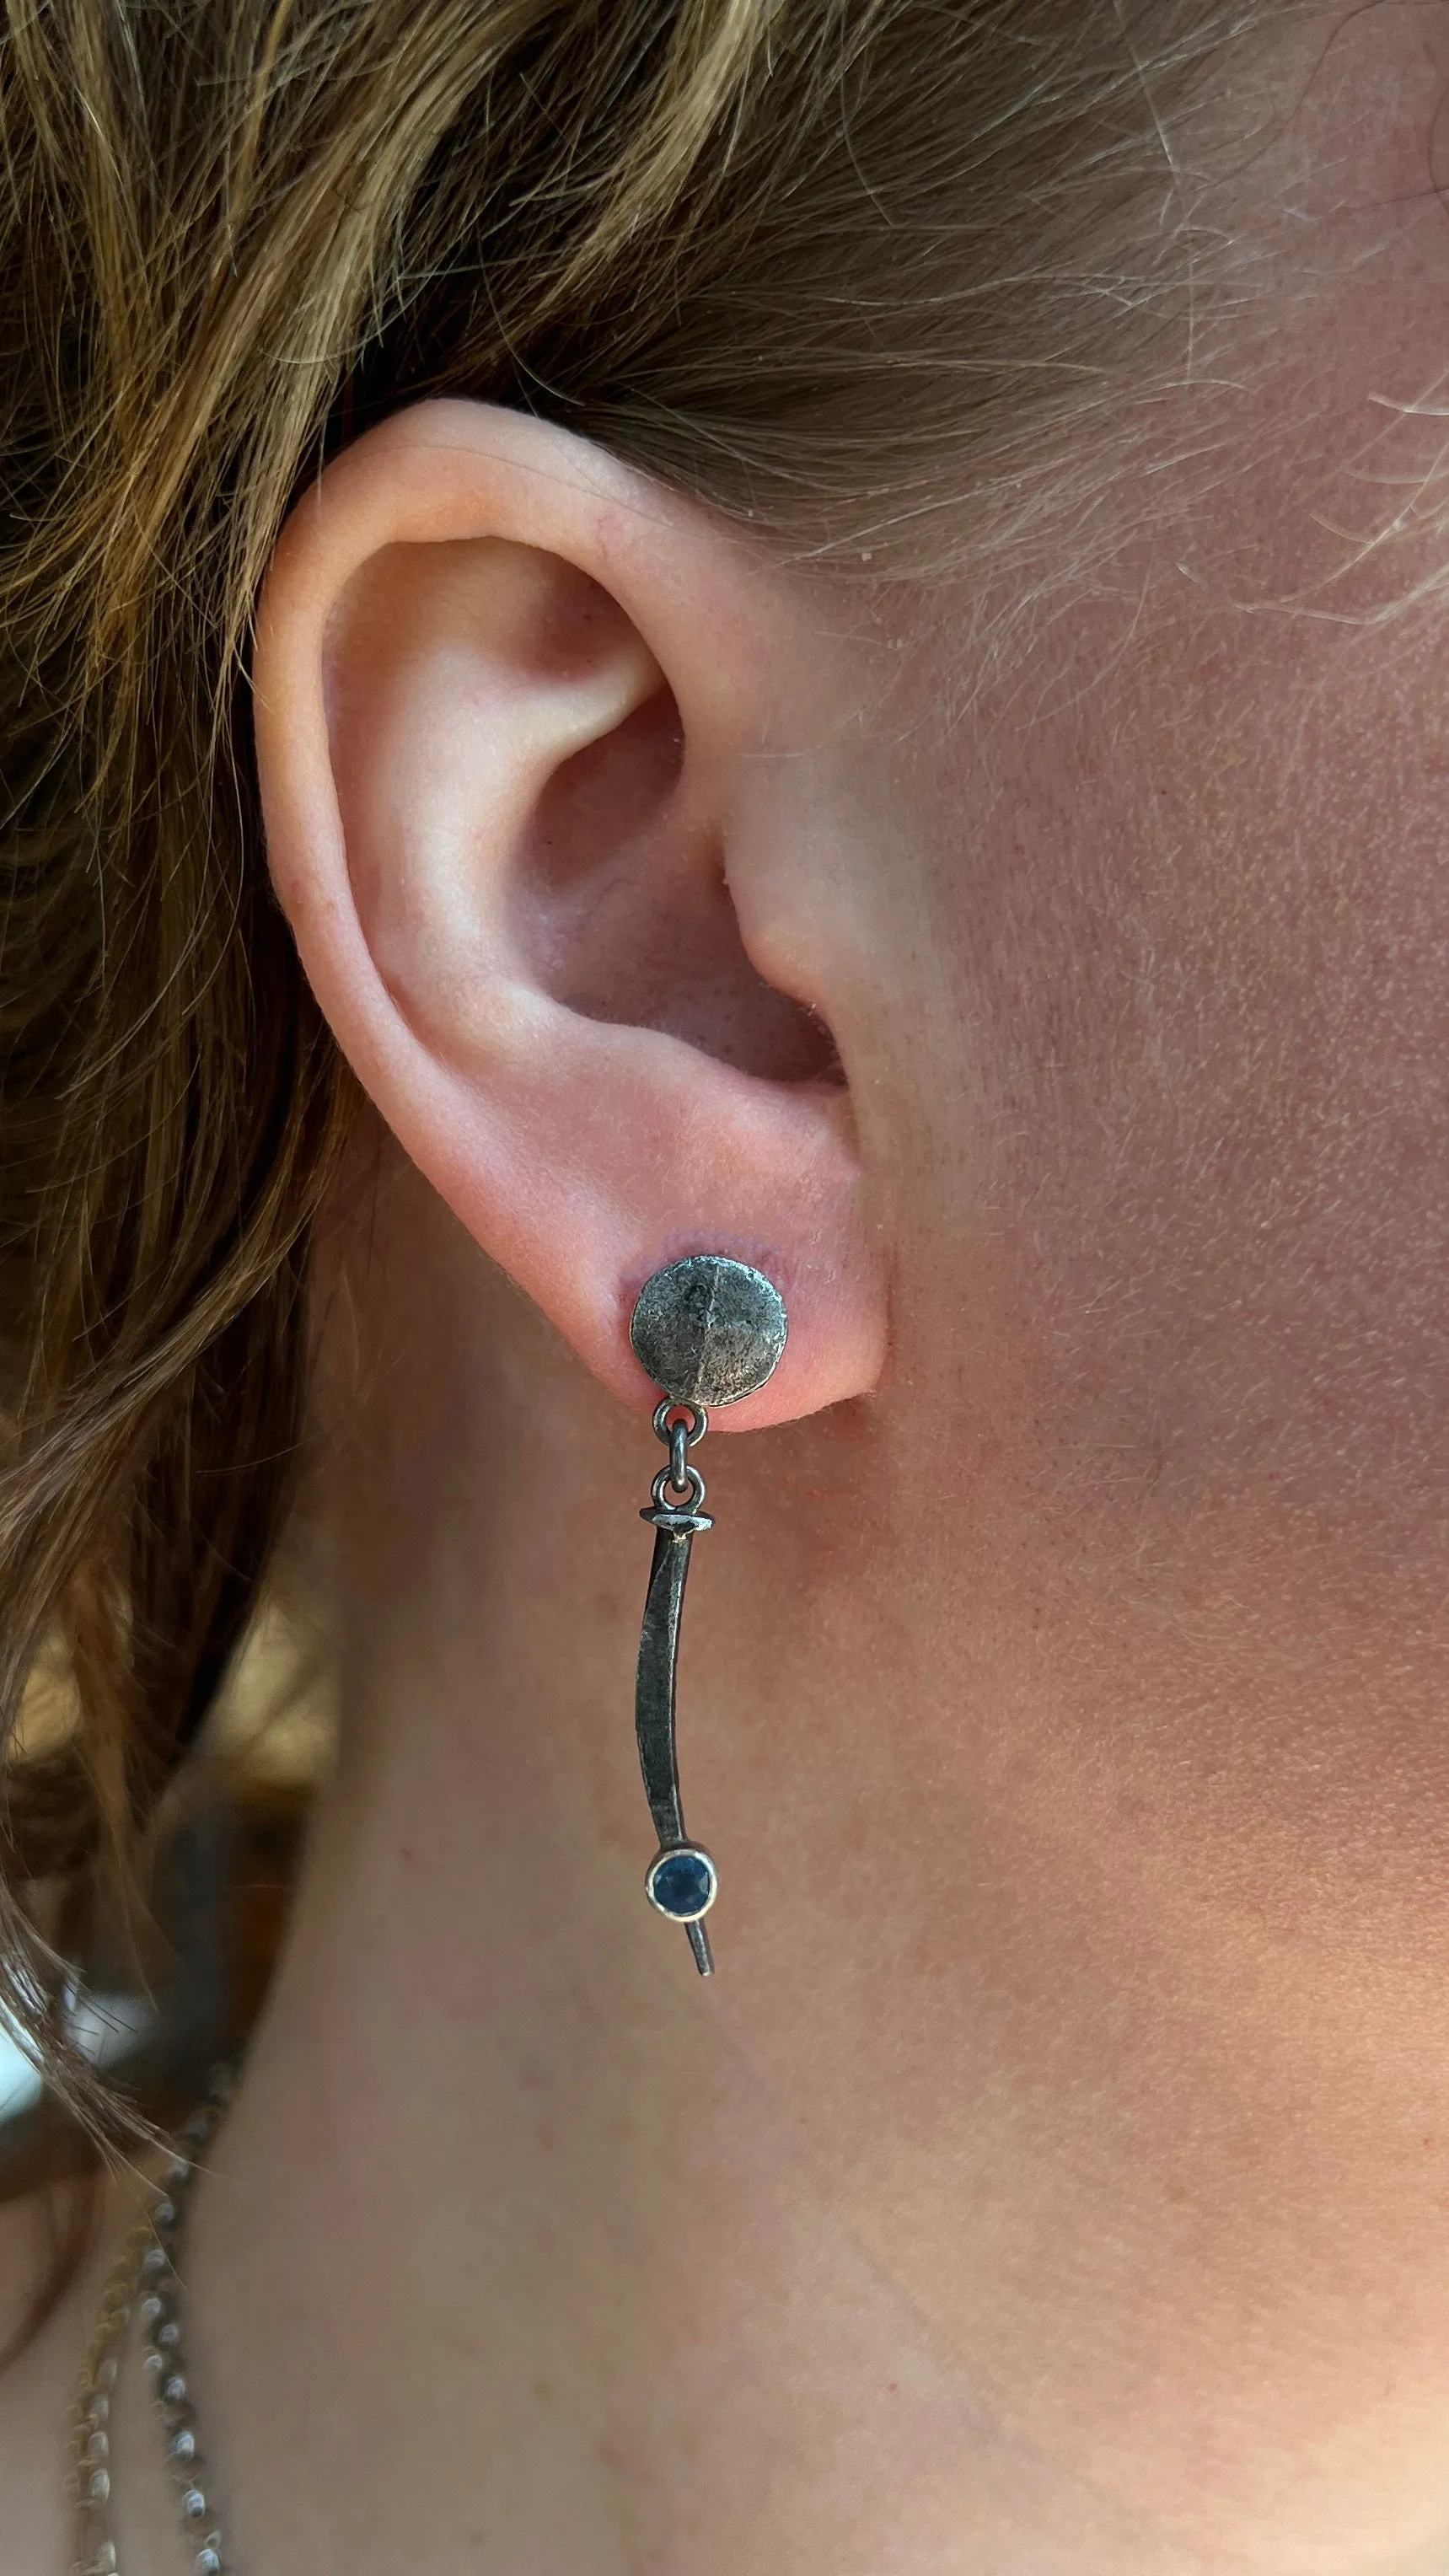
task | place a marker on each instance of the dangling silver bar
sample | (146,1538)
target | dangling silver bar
(708,1330)
(679,1867)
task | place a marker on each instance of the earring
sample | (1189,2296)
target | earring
(707,1331)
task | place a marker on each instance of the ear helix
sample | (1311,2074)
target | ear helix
(708,1331)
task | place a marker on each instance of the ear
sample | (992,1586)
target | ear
(512,705)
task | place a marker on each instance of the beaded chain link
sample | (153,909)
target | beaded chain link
(144,2295)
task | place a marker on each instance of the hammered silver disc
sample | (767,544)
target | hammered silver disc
(709,1330)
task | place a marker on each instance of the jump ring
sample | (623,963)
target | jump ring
(667,1494)
(664,1424)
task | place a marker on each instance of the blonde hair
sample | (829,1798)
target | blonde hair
(853,270)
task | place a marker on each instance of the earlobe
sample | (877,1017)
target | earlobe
(495,725)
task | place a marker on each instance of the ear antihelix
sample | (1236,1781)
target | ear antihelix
(708,1331)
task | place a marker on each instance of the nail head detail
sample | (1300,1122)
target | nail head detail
(709,1330)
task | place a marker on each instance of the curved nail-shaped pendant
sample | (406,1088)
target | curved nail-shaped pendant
(681,1880)
(708,1331)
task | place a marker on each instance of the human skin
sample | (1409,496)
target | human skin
(1052,2181)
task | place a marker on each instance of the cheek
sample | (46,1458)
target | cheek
(1202,1051)
(1172,1315)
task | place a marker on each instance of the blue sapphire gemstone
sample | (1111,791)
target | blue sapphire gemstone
(682,1884)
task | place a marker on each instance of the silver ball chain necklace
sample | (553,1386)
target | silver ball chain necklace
(144,2296)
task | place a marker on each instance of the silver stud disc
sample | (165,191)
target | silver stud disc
(709,1330)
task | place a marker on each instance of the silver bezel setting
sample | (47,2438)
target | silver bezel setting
(684,1851)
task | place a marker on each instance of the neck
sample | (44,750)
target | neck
(531,2210)
(529,2250)
(517,2253)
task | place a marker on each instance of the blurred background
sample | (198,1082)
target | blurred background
(227,1856)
